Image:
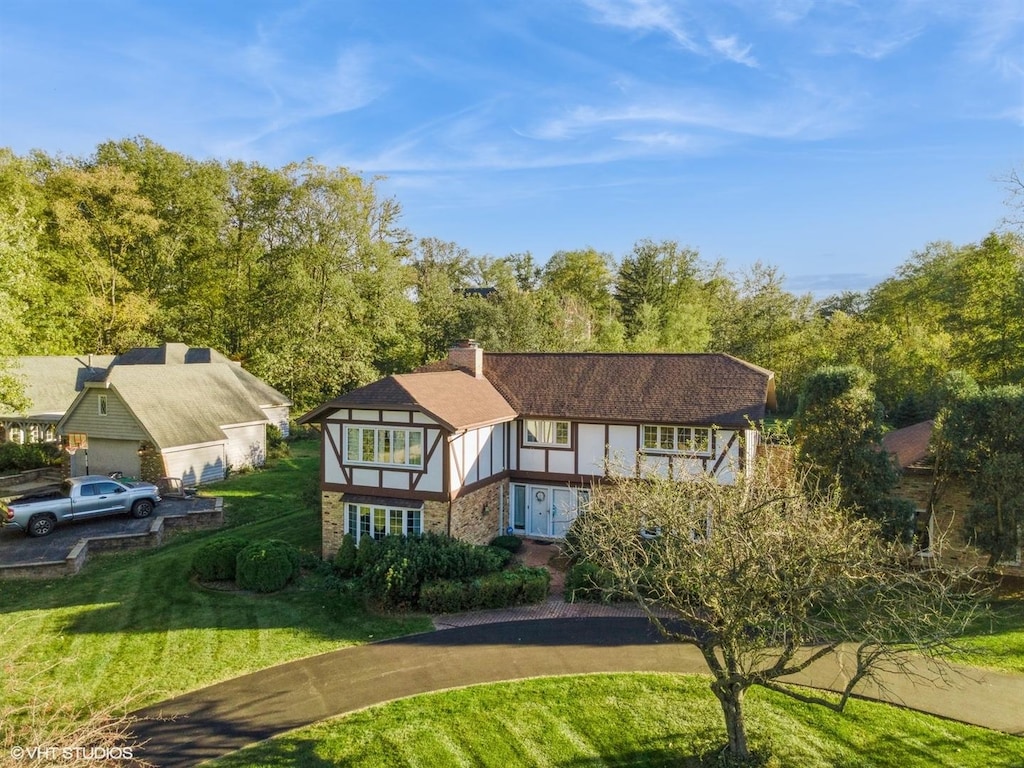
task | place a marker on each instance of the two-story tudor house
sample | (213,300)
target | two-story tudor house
(489,443)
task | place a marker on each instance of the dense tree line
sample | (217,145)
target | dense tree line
(306,275)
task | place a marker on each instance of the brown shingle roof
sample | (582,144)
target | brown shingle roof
(453,398)
(910,444)
(712,389)
(684,389)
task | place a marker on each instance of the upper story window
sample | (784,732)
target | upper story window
(101,405)
(544,432)
(662,439)
(384,445)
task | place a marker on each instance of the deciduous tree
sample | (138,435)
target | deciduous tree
(766,580)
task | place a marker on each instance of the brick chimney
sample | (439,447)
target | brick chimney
(469,355)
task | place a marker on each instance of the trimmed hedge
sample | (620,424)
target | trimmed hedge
(396,567)
(494,590)
(391,571)
(216,559)
(266,566)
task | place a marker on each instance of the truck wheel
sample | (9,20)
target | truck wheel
(41,525)
(142,508)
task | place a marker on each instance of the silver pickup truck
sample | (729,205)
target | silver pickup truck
(79,498)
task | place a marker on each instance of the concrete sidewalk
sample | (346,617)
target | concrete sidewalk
(213,721)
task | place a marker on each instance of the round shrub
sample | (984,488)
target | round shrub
(215,559)
(265,566)
(512,543)
(290,550)
(345,560)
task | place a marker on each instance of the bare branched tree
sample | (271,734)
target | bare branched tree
(765,581)
(40,727)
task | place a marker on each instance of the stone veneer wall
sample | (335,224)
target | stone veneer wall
(332,522)
(474,514)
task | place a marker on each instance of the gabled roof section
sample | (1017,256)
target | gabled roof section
(909,446)
(172,354)
(453,398)
(711,389)
(53,382)
(183,404)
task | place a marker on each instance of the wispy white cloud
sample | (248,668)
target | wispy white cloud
(658,16)
(732,49)
(643,16)
(806,116)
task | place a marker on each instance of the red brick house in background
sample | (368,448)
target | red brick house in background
(488,443)
(942,530)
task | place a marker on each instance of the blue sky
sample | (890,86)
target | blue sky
(830,139)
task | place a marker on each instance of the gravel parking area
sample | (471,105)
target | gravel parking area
(18,548)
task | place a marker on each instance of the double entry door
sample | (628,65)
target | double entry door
(544,510)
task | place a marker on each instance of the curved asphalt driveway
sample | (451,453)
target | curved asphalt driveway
(213,721)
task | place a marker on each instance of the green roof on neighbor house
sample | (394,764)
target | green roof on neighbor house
(52,382)
(182,354)
(180,405)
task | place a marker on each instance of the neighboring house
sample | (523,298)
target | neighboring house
(941,532)
(51,384)
(275,406)
(187,421)
(172,410)
(488,443)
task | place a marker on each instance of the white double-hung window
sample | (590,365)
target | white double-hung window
(392,446)
(672,439)
(546,432)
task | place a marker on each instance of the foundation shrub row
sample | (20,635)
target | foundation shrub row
(436,573)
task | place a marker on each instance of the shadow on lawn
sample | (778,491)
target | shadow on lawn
(321,614)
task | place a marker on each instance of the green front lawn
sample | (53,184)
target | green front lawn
(132,629)
(997,640)
(620,720)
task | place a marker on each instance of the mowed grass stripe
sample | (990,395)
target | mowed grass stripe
(134,625)
(643,720)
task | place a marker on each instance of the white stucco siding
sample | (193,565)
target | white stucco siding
(531,460)
(477,455)
(512,440)
(247,445)
(432,482)
(395,480)
(361,476)
(332,470)
(338,470)
(562,462)
(655,466)
(591,449)
(196,464)
(622,442)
